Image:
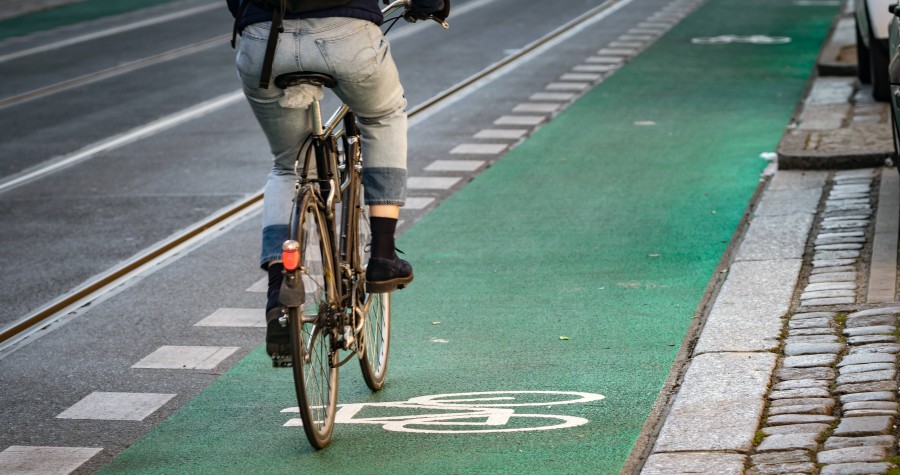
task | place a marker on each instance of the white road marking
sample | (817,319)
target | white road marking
(536,107)
(626,44)
(617,52)
(116,406)
(431,183)
(552,96)
(186,357)
(454,165)
(261,285)
(580,77)
(418,202)
(566,86)
(42,460)
(595,68)
(501,133)
(479,148)
(636,37)
(611,60)
(521,119)
(234,317)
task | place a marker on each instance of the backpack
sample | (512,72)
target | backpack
(279,8)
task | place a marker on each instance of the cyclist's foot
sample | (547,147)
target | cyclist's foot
(387,275)
(278,340)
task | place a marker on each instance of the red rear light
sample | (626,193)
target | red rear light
(290,255)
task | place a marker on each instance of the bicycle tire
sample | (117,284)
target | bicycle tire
(312,333)
(376,310)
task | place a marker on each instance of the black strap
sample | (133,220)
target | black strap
(237,22)
(269,58)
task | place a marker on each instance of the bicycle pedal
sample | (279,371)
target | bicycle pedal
(282,361)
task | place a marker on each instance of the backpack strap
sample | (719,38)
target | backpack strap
(237,22)
(268,59)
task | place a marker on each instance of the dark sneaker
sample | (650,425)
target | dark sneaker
(387,275)
(278,339)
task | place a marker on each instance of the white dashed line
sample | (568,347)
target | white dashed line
(541,107)
(524,119)
(186,357)
(42,460)
(431,183)
(617,52)
(580,77)
(595,68)
(116,406)
(417,202)
(611,60)
(566,86)
(454,166)
(234,317)
(552,96)
(479,148)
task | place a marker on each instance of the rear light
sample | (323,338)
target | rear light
(290,255)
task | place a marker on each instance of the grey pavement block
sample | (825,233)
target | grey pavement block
(891,348)
(889,405)
(805,392)
(787,419)
(866,339)
(856,468)
(822,322)
(806,441)
(788,456)
(862,368)
(869,412)
(823,117)
(832,225)
(869,396)
(809,315)
(788,202)
(817,428)
(870,330)
(833,277)
(866,358)
(800,383)
(807,361)
(820,294)
(802,401)
(812,338)
(776,237)
(746,315)
(875,311)
(838,240)
(830,301)
(831,285)
(796,180)
(818,372)
(834,263)
(869,441)
(797,349)
(781,468)
(864,426)
(867,376)
(870,320)
(834,255)
(866,387)
(839,247)
(810,331)
(719,404)
(853,454)
(830,90)
(694,462)
(820,409)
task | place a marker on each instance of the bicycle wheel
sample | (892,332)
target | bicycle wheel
(376,311)
(313,331)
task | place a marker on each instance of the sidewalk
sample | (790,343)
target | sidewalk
(795,369)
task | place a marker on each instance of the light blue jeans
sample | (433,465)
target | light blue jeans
(356,53)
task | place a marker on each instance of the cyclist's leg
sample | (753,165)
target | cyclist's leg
(369,83)
(286,130)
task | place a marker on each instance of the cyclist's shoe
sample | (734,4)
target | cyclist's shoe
(387,275)
(278,339)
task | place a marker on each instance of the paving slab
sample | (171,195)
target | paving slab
(695,462)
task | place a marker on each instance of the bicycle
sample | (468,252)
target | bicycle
(328,308)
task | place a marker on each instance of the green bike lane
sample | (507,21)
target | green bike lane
(576,263)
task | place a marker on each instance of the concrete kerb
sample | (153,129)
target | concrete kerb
(714,416)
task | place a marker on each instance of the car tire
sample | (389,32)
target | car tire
(863,67)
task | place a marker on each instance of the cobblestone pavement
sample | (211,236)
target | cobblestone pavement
(795,367)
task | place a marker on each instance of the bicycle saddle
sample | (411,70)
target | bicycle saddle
(287,80)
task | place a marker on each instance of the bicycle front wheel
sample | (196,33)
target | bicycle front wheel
(375,309)
(312,329)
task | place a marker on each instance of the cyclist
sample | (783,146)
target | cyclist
(347,43)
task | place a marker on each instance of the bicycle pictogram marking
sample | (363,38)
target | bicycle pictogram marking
(751,39)
(463,413)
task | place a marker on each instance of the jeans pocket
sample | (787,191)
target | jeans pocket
(251,49)
(353,57)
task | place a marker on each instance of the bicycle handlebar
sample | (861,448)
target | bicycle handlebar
(406,5)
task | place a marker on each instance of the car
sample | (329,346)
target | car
(872,22)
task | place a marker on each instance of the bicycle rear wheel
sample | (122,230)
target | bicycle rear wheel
(312,330)
(376,311)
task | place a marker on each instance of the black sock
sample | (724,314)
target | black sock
(275,279)
(383,236)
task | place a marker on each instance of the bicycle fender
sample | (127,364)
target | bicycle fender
(292,293)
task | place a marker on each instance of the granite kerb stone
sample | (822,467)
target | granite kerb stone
(857,468)
(853,454)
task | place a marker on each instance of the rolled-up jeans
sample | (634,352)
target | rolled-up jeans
(356,53)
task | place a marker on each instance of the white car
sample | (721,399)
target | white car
(872,21)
